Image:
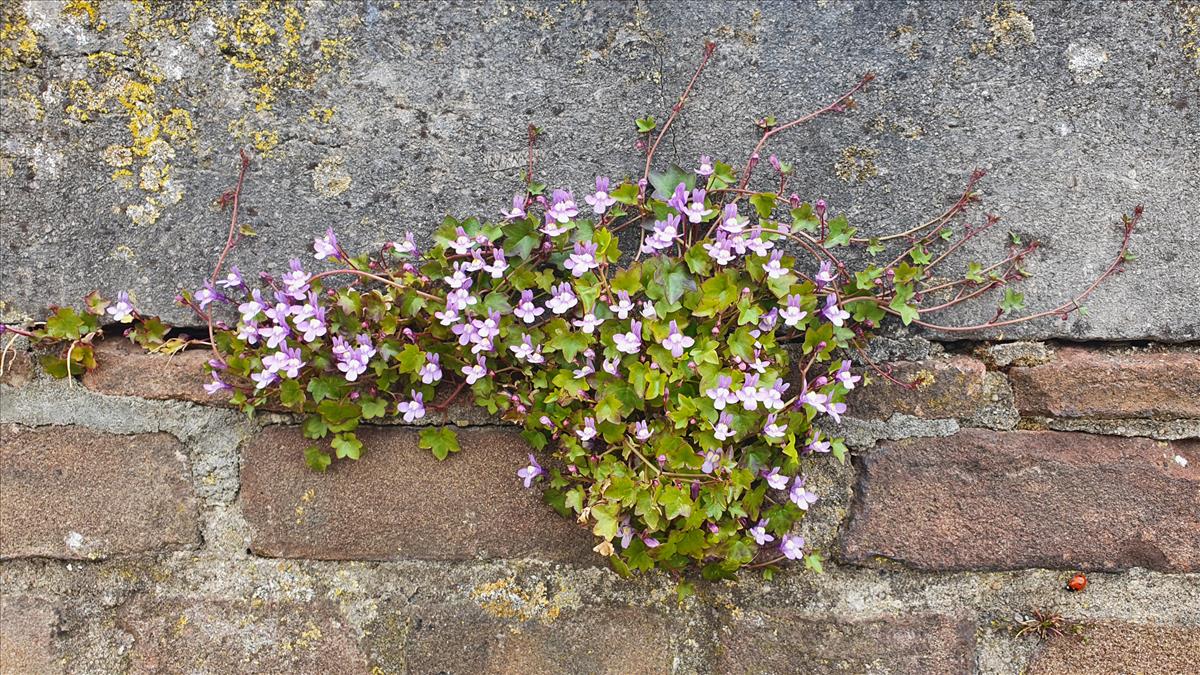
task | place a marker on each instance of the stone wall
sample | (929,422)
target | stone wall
(144,527)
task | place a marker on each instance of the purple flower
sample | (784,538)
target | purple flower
(650,542)
(767,323)
(731,221)
(774,268)
(352,367)
(476,372)
(843,375)
(207,295)
(532,471)
(648,310)
(525,309)
(641,431)
(712,460)
(706,167)
(817,445)
(664,234)
(792,314)
(498,266)
(526,352)
(562,298)
(757,244)
(263,379)
(517,210)
(553,228)
(412,410)
(759,532)
(448,316)
(631,342)
(462,243)
(678,201)
(773,429)
(588,432)
(431,372)
(824,275)
(772,397)
(232,280)
(792,547)
(327,246)
(816,400)
(296,280)
(696,211)
(582,259)
(248,332)
(406,247)
(720,250)
(836,410)
(676,342)
(251,308)
(722,395)
(121,310)
(625,532)
(562,206)
(623,306)
(601,200)
(611,366)
(722,430)
(588,323)
(800,496)
(314,327)
(748,394)
(275,335)
(835,314)
(216,385)
(774,479)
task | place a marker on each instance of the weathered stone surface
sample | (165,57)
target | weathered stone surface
(202,635)
(124,369)
(74,493)
(982,500)
(1110,385)
(18,368)
(949,387)
(26,636)
(399,502)
(1115,648)
(404,114)
(466,639)
(782,641)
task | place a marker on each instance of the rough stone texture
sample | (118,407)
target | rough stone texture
(399,502)
(204,636)
(70,492)
(468,639)
(125,369)
(1079,109)
(1110,385)
(1117,648)
(26,635)
(987,500)
(18,368)
(950,387)
(782,641)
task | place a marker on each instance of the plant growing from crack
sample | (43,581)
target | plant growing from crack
(678,396)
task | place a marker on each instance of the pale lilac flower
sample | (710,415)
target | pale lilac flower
(792,547)
(678,200)
(532,471)
(525,309)
(553,228)
(517,210)
(251,308)
(292,363)
(462,297)
(476,372)
(582,259)
(648,310)
(588,323)
(719,250)
(261,380)
(233,279)
(601,200)
(800,496)
(774,267)
(845,377)
(696,211)
(588,368)
(631,342)
(314,327)
(676,342)
(773,429)
(722,430)
(206,295)
(650,542)
(365,348)
(588,432)
(836,410)
(835,314)
(706,167)
(216,385)
(408,246)
(731,221)
(412,410)
(756,243)
(448,316)
(296,280)
(499,264)
(758,365)
(562,298)
(562,206)
(759,532)
(641,431)
(722,395)
(280,311)
(462,243)
(816,400)
(301,312)
(121,310)
(748,394)
(476,262)
(775,479)
(623,306)
(275,334)
(341,348)
(792,314)
(824,275)
(352,367)
(772,397)
(459,278)
(712,460)
(663,235)
(766,324)
(486,329)
(248,332)
(431,372)
(326,247)
(525,351)
(611,366)
(818,445)
(625,532)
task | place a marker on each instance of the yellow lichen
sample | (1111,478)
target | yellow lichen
(86,11)
(18,43)
(265,141)
(1010,28)
(857,164)
(1189,31)
(322,115)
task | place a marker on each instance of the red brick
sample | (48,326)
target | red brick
(948,387)
(74,493)
(1007,500)
(27,636)
(781,641)
(238,636)
(1120,648)
(398,502)
(464,639)
(1110,385)
(125,369)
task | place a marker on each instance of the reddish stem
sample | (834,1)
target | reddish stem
(229,242)
(709,48)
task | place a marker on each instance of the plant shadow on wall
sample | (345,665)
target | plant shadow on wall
(676,396)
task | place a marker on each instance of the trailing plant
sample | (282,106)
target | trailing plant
(677,396)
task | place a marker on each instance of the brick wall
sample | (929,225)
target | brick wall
(145,527)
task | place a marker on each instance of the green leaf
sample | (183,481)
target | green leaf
(317,460)
(646,124)
(290,394)
(347,445)
(1013,301)
(813,562)
(373,407)
(665,183)
(975,273)
(65,324)
(315,427)
(920,256)
(441,441)
(908,312)
(840,232)
(606,520)
(764,203)
(570,344)
(336,413)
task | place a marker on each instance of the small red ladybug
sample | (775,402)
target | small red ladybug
(1077,582)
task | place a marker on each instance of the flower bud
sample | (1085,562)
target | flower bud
(571,468)
(819,208)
